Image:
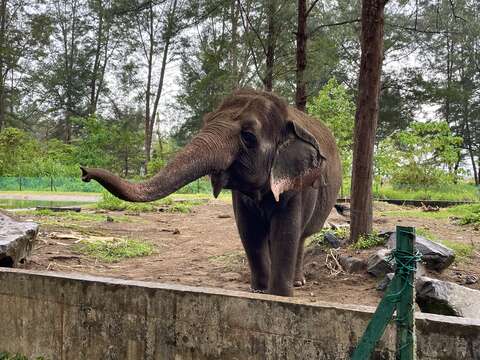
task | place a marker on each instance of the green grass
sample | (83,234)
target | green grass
(114,250)
(8,356)
(451,192)
(466,213)
(318,239)
(73,216)
(369,241)
(110,202)
(461,250)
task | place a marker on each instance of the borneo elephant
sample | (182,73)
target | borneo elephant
(284,171)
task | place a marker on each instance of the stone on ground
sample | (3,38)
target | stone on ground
(447,298)
(379,263)
(16,240)
(332,240)
(383,284)
(435,256)
(352,264)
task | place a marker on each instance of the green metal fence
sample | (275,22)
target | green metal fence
(399,297)
(69,184)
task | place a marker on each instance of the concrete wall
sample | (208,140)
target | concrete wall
(66,316)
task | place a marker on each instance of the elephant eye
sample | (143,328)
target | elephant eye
(249,139)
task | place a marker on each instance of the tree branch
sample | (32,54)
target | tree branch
(242,11)
(312,5)
(352,21)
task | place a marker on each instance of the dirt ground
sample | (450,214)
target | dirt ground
(202,248)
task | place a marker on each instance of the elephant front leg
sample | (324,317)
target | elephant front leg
(299,278)
(254,236)
(284,246)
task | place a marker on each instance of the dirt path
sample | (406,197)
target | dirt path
(85,198)
(203,248)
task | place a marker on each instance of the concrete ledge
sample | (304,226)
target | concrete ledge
(71,316)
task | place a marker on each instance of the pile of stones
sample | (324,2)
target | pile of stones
(16,240)
(432,295)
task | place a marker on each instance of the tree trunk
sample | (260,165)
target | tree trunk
(301,91)
(3,73)
(147,145)
(271,43)
(152,116)
(96,63)
(234,13)
(474,167)
(366,117)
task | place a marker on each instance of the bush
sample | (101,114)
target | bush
(369,241)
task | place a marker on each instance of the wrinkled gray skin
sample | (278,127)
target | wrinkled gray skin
(284,171)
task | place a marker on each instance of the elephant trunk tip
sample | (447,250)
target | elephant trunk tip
(86,177)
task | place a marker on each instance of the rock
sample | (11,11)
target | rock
(470,279)
(176,231)
(352,264)
(378,265)
(16,240)
(447,298)
(342,209)
(332,240)
(383,284)
(435,256)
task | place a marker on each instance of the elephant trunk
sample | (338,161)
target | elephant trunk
(203,155)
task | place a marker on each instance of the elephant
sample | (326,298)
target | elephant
(283,169)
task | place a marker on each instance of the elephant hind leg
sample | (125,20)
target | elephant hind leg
(299,279)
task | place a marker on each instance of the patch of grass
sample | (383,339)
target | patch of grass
(110,202)
(318,239)
(468,213)
(426,233)
(115,249)
(461,250)
(369,241)
(71,216)
(451,192)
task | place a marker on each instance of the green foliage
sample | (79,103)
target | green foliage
(335,107)
(112,144)
(461,250)
(111,202)
(7,356)
(425,154)
(114,250)
(472,216)
(369,241)
(450,192)
(318,239)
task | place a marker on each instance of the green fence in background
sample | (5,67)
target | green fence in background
(69,184)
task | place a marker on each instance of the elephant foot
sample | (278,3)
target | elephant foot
(258,291)
(299,282)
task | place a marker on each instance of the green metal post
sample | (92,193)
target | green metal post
(377,325)
(406,305)
(400,296)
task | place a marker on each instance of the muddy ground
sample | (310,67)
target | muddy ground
(202,248)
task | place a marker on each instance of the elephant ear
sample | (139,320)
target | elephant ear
(298,162)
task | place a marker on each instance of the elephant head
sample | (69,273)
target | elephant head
(250,143)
